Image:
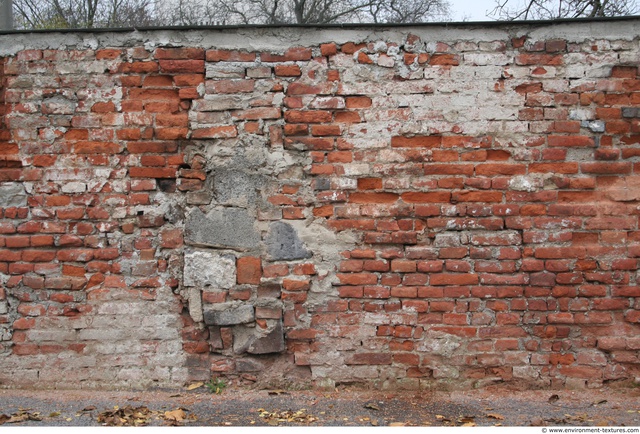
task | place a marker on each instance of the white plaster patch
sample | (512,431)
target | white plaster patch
(202,268)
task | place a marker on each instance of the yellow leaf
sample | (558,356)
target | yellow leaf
(397,424)
(495,416)
(195,385)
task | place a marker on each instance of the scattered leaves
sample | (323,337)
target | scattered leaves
(20,416)
(276,417)
(127,416)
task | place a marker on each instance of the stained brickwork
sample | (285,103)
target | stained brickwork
(395,209)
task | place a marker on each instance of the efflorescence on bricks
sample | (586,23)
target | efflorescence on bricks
(398,209)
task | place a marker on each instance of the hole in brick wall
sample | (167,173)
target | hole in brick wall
(140,212)
(167,185)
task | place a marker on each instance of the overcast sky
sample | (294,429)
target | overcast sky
(472,10)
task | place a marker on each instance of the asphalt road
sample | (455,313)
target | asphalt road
(340,407)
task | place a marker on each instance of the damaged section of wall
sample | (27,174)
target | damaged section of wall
(405,207)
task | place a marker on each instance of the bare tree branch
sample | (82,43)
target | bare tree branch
(556,9)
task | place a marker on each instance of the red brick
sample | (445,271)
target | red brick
(179,53)
(431,197)
(249,270)
(416,142)
(311,116)
(230,56)
(357,278)
(287,71)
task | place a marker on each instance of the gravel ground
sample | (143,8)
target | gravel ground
(342,407)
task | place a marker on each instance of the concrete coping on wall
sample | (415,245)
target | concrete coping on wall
(262,37)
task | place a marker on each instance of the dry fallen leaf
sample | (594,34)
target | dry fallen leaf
(194,386)
(372,406)
(397,424)
(553,398)
(495,416)
(178,415)
(277,392)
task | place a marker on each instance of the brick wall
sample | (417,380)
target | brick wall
(408,207)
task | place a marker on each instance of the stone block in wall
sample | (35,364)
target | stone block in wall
(225,314)
(254,340)
(283,243)
(12,194)
(230,228)
(273,342)
(203,268)
(249,365)
(236,188)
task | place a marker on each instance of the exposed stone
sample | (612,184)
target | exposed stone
(228,314)
(215,338)
(271,343)
(594,126)
(12,194)
(203,268)
(233,187)
(283,243)
(249,365)
(195,304)
(439,344)
(254,340)
(222,227)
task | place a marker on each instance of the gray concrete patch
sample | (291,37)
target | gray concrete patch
(236,188)
(283,243)
(230,228)
(228,314)
(12,194)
